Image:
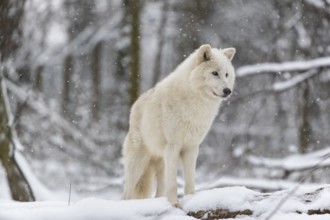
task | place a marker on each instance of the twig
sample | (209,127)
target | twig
(69,195)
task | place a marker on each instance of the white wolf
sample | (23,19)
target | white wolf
(168,123)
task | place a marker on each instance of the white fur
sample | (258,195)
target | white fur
(168,123)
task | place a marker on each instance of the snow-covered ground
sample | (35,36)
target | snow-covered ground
(304,203)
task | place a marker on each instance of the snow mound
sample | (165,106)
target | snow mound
(232,198)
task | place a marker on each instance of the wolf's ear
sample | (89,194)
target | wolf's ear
(229,52)
(204,53)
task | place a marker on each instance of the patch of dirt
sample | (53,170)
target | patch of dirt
(218,214)
(318,212)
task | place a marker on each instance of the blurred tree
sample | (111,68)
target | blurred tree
(67,75)
(10,25)
(38,81)
(11,12)
(160,43)
(10,29)
(80,15)
(36,26)
(304,132)
(309,38)
(313,40)
(123,46)
(134,7)
(192,16)
(96,79)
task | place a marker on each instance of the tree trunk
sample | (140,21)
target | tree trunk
(135,49)
(305,127)
(11,12)
(96,78)
(67,72)
(19,187)
(38,81)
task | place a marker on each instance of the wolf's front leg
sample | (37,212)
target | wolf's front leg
(189,158)
(171,158)
(160,175)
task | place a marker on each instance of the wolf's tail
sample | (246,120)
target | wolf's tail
(138,171)
(138,187)
(143,188)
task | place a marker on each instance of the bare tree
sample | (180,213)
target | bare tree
(11,13)
(18,184)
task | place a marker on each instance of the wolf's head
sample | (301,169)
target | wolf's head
(213,76)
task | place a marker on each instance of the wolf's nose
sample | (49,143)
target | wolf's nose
(226,92)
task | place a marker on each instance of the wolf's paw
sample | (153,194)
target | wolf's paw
(176,205)
(189,191)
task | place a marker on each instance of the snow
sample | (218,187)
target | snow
(236,198)
(92,208)
(229,198)
(4,189)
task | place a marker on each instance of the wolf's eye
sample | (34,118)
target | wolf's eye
(226,74)
(215,73)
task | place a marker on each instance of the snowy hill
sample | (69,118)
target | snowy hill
(229,202)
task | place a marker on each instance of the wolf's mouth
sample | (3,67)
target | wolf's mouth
(220,96)
(216,94)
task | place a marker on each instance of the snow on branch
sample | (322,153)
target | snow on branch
(250,70)
(264,185)
(293,163)
(288,84)
(319,4)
